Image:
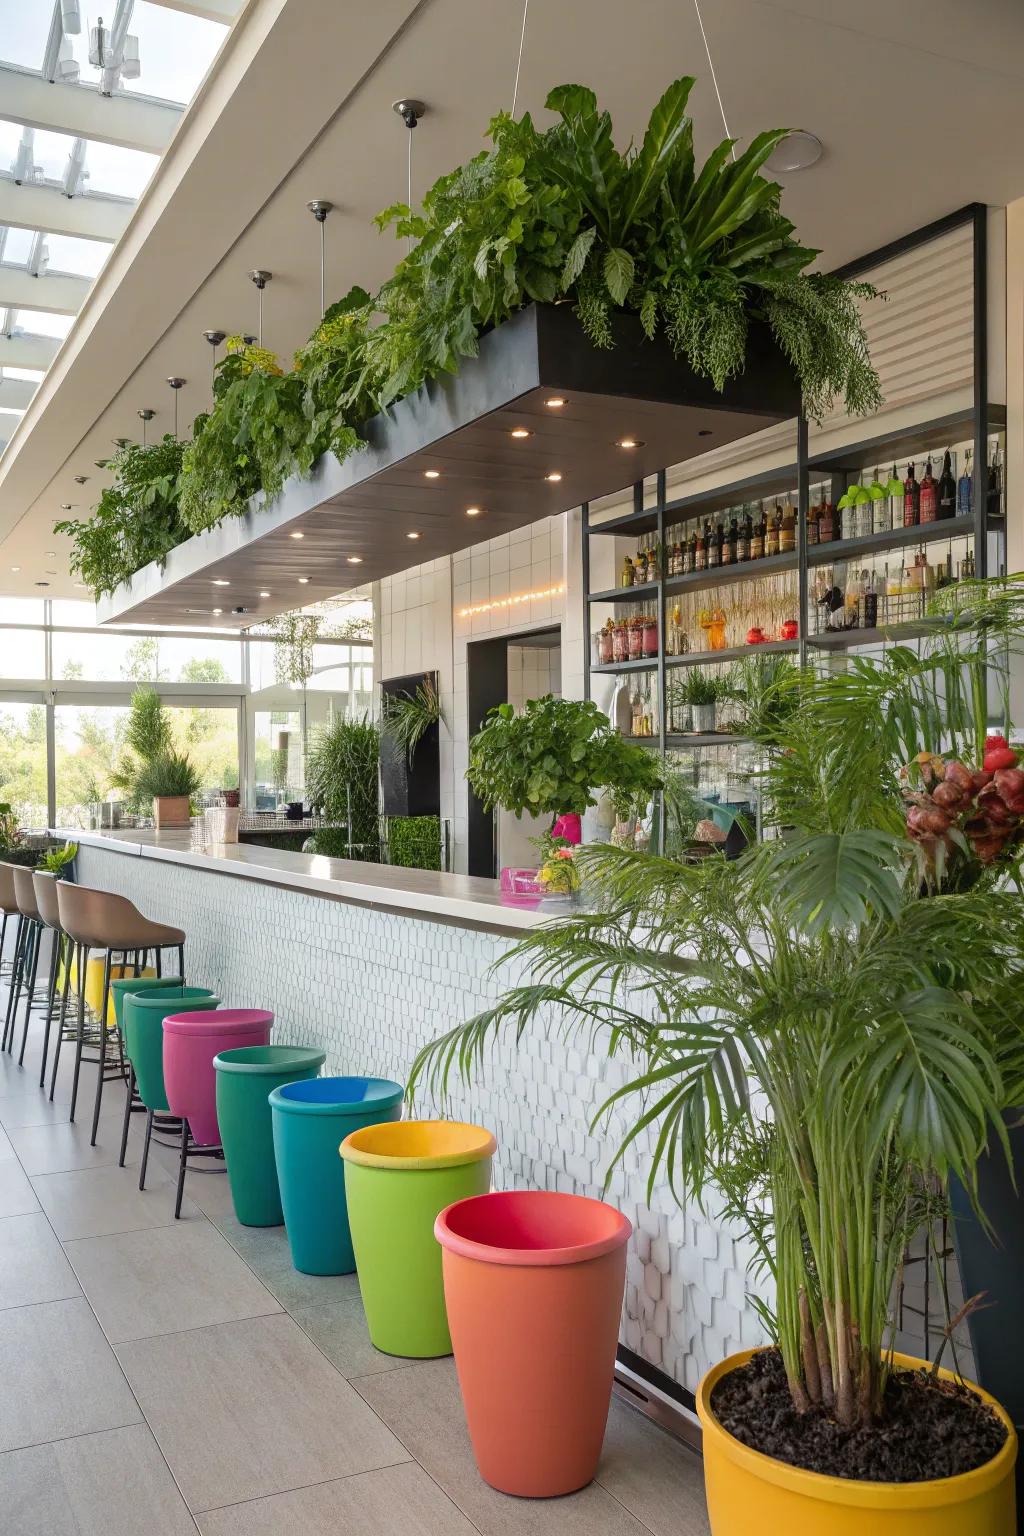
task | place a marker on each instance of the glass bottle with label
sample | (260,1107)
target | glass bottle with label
(861,512)
(690,561)
(757,534)
(771,535)
(713,537)
(844,513)
(965,489)
(729,547)
(928,497)
(787,530)
(994,489)
(870,612)
(744,536)
(947,488)
(911,499)
(813,513)
(894,496)
(879,506)
(700,557)
(628,573)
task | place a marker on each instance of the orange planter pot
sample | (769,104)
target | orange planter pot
(533,1284)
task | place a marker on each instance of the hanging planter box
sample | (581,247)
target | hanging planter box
(461,426)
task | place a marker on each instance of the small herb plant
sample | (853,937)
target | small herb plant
(698,687)
(56,860)
(169,773)
(551,757)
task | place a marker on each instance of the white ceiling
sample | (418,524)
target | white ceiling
(920,107)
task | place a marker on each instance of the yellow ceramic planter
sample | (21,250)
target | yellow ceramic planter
(751,1495)
(94,983)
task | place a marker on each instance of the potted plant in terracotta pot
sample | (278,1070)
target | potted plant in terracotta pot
(832,1027)
(171,780)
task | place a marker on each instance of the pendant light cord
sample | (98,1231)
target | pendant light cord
(519,61)
(323,259)
(714,77)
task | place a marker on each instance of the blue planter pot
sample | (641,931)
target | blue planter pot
(310,1121)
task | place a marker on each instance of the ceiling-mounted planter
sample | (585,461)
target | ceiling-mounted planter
(380,512)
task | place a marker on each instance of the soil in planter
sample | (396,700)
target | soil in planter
(930,1428)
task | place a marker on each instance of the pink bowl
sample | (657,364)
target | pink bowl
(191,1041)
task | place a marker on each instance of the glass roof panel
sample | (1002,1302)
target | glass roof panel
(114,169)
(176,50)
(36,322)
(24,28)
(10,138)
(80,258)
(30,375)
(50,151)
(17,246)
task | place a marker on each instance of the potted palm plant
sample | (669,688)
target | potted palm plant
(833,1023)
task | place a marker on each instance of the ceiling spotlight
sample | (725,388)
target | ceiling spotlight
(175,383)
(264,594)
(260,277)
(81,479)
(303,581)
(554,477)
(409,110)
(250,341)
(555,403)
(15,569)
(522,431)
(354,559)
(432,474)
(473,511)
(42,583)
(221,581)
(412,535)
(51,573)
(66,506)
(704,432)
(795,152)
(216,610)
(320,208)
(629,442)
(51,554)
(296,535)
(214,337)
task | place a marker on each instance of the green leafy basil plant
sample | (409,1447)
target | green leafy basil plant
(819,1024)
(547,215)
(551,756)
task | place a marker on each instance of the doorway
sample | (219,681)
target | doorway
(508,669)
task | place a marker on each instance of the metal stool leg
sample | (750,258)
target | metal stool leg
(35,941)
(181,963)
(101,1072)
(129,1096)
(145,1149)
(182,1164)
(62,1022)
(80,952)
(51,999)
(15,984)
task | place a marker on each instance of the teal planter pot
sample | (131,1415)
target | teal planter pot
(310,1121)
(144,1014)
(130,986)
(245,1079)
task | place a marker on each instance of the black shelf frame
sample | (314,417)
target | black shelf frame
(836,465)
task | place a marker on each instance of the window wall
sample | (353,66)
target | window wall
(66,687)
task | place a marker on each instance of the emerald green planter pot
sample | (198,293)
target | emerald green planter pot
(129,986)
(398,1178)
(245,1079)
(144,1014)
(311,1119)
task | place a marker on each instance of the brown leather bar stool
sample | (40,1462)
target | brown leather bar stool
(8,908)
(100,920)
(26,959)
(45,885)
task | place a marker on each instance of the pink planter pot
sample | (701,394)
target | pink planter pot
(191,1041)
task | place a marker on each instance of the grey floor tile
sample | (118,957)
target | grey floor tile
(60,1376)
(164,1279)
(339,1329)
(206,1181)
(660,1480)
(32,1263)
(252,1408)
(6,1150)
(114,1483)
(93,1202)
(265,1250)
(17,1197)
(398,1501)
(60,1146)
(33,1107)
(421,1404)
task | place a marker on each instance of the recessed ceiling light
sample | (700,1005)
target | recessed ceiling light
(221,581)
(431,474)
(555,403)
(51,554)
(412,535)
(473,511)
(303,581)
(264,594)
(354,559)
(554,476)
(216,610)
(42,583)
(15,569)
(296,535)
(629,442)
(798,150)
(51,573)
(522,431)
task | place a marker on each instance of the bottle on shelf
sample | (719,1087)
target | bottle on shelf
(744,535)
(813,514)
(679,556)
(911,499)
(928,496)
(731,543)
(771,537)
(757,534)
(965,489)
(854,597)
(714,543)
(994,484)
(787,530)
(628,576)
(894,497)
(947,488)
(844,511)
(861,513)
(690,562)
(826,522)
(700,554)
(879,506)
(870,610)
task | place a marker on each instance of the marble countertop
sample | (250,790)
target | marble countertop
(463,899)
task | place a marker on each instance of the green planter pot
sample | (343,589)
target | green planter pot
(246,1077)
(129,986)
(398,1178)
(144,1014)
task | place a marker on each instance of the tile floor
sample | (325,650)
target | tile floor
(181,1376)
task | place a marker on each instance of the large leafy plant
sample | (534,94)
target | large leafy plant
(813,1029)
(136,520)
(551,756)
(342,778)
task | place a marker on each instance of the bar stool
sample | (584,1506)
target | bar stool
(26,957)
(100,920)
(8,908)
(45,886)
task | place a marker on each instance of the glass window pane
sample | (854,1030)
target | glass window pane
(99,657)
(89,744)
(279,757)
(20,610)
(210,737)
(22,654)
(36,322)
(50,151)
(24,30)
(80,258)
(30,375)
(23,761)
(175,50)
(18,244)
(112,168)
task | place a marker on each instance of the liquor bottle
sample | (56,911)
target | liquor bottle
(691,552)
(720,542)
(928,498)
(628,573)
(757,536)
(894,497)
(771,537)
(678,557)
(854,595)
(714,547)
(744,536)
(870,601)
(729,547)
(911,500)
(787,530)
(844,517)
(994,484)
(700,554)
(826,522)
(861,514)
(947,489)
(813,514)
(965,489)
(879,506)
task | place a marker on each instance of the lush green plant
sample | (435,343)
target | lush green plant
(330,842)
(136,519)
(148,735)
(414,842)
(768,688)
(816,1032)
(168,773)
(697,687)
(549,758)
(407,717)
(557,873)
(8,826)
(342,778)
(56,860)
